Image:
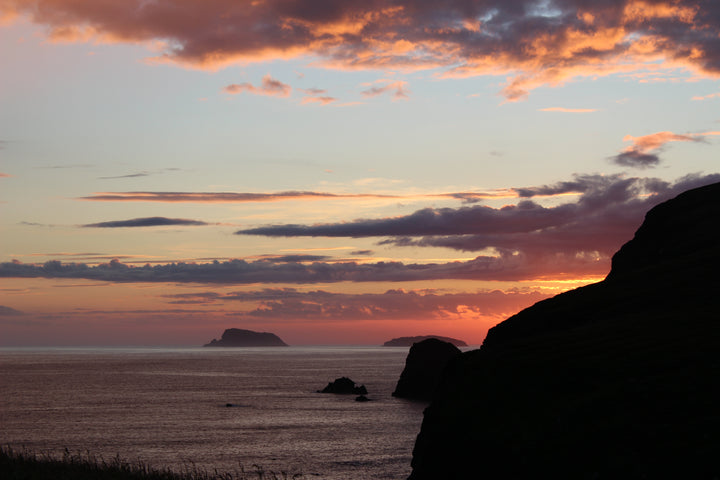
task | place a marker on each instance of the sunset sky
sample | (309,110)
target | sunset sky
(334,171)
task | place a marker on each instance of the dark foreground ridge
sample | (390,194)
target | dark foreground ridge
(619,379)
(236,337)
(409,341)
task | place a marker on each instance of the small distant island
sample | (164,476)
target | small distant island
(237,337)
(409,341)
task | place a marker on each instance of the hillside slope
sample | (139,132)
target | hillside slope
(620,379)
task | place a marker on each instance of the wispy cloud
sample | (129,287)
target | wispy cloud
(247,197)
(147,222)
(130,175)
(645,150)
(220,197)
(269,86)
(5,175)
(568,110)
(279,303)
(316,95)
(398,89)
(706,97)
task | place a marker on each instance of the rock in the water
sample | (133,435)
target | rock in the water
(236,337)
(423,366)
(409,341)
(620,379)
(362,398)
(344,385)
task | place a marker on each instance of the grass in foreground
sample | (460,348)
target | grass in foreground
(26,465)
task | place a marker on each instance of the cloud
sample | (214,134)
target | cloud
(503,267)
(7,311)
(5,175)
(605,215)
(706,97)
(245,197)
(523,241)
(568,110)
(531,43)
(396,304)
(269,86)
(644,151)
(636,159)
(322,100)
(35,224)
(316,95)
(131,175)
(397,89)
(220,197)
(146,222)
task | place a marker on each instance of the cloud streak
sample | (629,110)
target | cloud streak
(532,43)
(568,110)
(269,87)
(525,241)
(396,304)
(147,222)
(221,197)
(603,217)
(503,267)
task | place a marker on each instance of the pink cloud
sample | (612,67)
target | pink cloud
(269,86)
(397,89)
(316,95)
(528,45)
(568,110)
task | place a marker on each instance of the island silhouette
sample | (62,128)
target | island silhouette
(238,337)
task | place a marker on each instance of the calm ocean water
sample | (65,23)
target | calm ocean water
(167,407)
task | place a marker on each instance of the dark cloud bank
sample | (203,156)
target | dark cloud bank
(530,241)
(605,215)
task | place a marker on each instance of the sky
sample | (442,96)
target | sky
(334,172)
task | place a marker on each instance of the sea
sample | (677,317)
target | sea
(213,409)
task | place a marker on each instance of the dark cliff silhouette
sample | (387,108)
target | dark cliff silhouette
(237,337)
(424,364)
(620,379)
(409,341)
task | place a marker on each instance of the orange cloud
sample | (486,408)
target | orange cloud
(657,140)
(532,46)
(706,97)
(568,110)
